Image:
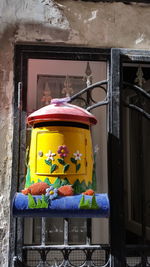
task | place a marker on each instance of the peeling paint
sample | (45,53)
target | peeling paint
(140,39)
(93,15)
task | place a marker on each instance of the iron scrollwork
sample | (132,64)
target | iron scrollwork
(139,106)
(89,99)
(83,257)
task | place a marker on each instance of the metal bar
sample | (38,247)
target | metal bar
(88,89)
(140,110)
(141,181)
(99,104)
(62,52)
(66,232)
(142,177)
(18,122)
(130,55)
(115,170)
(136,57)
(137,89)
(43,237)
(61,247)
(19,94)
(94,85)
(17,262)
(90,94)
(88,236)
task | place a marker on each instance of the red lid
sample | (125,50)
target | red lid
(60,110)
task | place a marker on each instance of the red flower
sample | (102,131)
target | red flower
(63,151)
(89,192)
(65,190)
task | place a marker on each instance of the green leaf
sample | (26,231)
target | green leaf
(84,204)
(94,204)
(66,167)
(64,181)
(53,168)
(48,162)
(73,160)
(87,204)
(46,199)
(57,183)
(61,161)
(44,204)
(31,202)
(77,187)
(47,181)
(81,201)
(78,167)
(83,186)
(38,205)
(28,178)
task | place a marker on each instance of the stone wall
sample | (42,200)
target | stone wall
(56,22)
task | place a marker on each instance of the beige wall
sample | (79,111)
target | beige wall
(63,23)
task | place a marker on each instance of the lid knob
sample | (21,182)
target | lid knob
(59,101)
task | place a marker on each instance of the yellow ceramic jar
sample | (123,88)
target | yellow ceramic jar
(61,145)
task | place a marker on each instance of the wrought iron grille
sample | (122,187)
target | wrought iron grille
(65,257)
(139,107)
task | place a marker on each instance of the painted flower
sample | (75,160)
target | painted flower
(77,155)
(52,192)
(63,151)
(50,155)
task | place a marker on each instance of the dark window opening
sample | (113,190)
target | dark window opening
(136,156)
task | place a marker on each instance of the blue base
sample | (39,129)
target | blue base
(61,207)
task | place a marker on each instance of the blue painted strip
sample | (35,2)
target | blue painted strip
(61,207)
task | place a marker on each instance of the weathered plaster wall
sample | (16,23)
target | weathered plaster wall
(77,22)
(60,22)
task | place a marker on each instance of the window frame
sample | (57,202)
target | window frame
(21,55)
(117,222)
(115,57)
